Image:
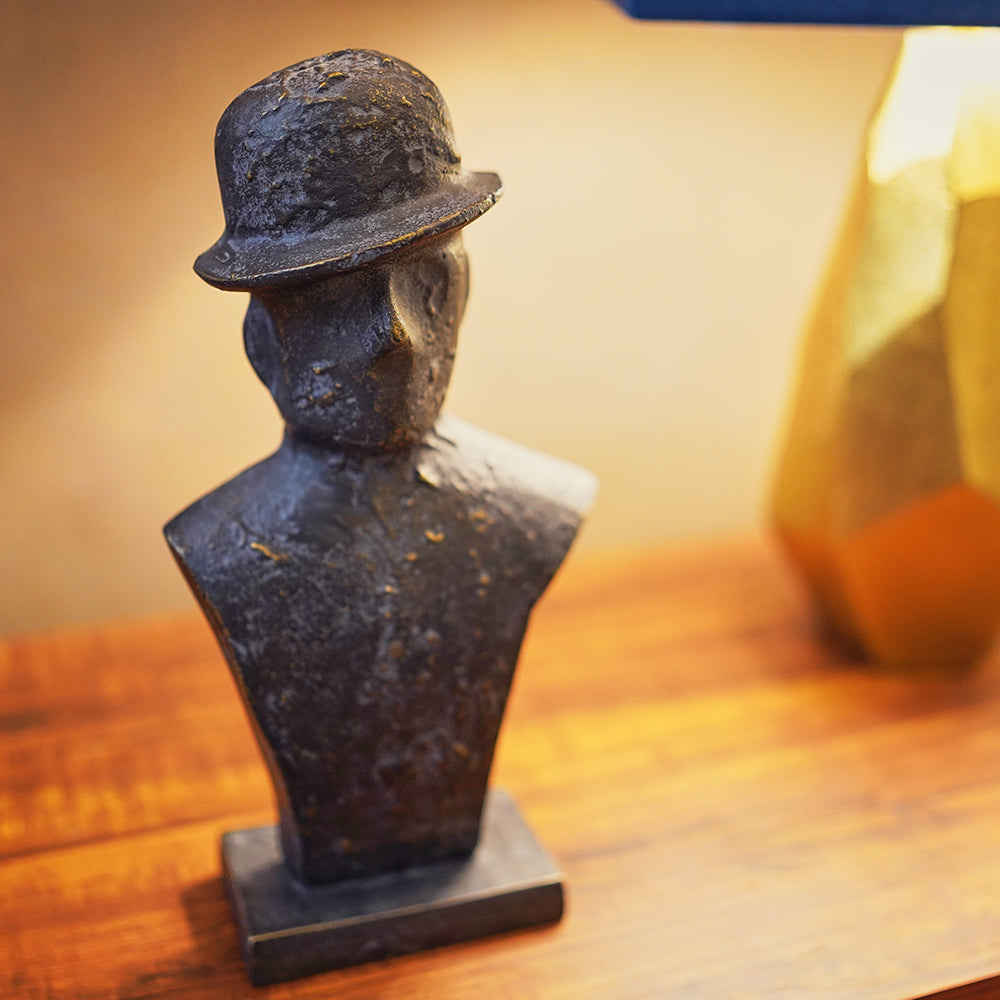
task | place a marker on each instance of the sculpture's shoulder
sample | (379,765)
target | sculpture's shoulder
(517,469)
(306,519)
(523,492)
(210,533)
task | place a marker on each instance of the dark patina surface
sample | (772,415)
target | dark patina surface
(370,582)
(372,610)
(510,881)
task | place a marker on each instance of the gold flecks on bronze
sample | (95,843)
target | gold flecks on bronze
(270,553)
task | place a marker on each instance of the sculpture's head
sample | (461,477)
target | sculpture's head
(362,359)
(344,199)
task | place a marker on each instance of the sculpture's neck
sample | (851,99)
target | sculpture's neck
(337,454)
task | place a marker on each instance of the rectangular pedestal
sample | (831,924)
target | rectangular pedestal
(288,930)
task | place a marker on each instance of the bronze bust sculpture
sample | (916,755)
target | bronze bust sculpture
(369,582)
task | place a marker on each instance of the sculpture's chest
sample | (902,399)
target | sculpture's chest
(356,608)
(419,557)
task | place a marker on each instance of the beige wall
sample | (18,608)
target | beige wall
(670,192)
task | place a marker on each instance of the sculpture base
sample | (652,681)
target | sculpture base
(289,930)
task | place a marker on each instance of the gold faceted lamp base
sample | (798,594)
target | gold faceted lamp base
(887,495)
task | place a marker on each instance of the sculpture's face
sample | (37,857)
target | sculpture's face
(363,359)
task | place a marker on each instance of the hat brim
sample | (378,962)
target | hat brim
(264,262)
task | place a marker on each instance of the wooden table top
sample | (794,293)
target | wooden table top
(740,814)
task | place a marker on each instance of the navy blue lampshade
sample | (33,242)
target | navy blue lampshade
(901,12)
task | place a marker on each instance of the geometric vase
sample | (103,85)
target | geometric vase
(887,494)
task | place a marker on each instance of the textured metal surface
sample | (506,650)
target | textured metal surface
(372,610)
(288,930)
(370,582)
(901,12)
(332,163)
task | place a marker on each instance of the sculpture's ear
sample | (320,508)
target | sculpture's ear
(260,339)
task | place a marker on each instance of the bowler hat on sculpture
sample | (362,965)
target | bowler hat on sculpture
(332,163)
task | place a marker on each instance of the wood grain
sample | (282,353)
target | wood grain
(740,814)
